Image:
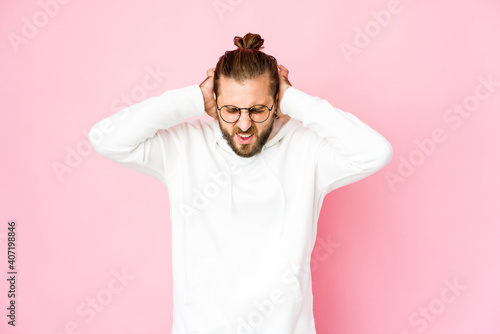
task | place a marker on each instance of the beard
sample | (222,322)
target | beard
(254,147)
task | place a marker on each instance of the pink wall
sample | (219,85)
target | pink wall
(413,248)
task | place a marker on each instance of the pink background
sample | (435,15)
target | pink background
(398,246)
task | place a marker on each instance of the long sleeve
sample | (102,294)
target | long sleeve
(137,136)
(349,150)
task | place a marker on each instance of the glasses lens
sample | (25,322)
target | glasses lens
(259,113)
(230,114)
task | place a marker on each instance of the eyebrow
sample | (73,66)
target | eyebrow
(231,104)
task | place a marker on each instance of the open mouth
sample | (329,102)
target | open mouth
(245,138)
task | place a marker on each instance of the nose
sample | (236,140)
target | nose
(245,122)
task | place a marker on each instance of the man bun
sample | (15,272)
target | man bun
(249,41)
(247,62)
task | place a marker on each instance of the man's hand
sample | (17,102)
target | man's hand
(207,88)
(284,85)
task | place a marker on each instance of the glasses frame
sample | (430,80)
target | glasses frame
(249,112)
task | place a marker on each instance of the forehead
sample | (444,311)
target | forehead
(250,92)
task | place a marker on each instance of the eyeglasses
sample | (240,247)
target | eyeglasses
(258,113)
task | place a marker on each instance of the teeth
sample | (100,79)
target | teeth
(244,136)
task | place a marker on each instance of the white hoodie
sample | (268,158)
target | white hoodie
(243,229)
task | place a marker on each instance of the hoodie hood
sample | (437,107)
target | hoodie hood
(222,143)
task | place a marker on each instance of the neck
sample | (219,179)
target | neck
(278,124)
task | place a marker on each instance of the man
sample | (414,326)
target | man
(245,189)
(258,133)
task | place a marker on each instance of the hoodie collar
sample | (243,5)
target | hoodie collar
(219,139)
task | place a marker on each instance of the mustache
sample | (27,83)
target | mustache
(245,133)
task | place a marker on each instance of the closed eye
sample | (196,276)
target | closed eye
(258,109)
(231,109)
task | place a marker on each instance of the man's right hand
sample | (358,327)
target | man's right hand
(207,88)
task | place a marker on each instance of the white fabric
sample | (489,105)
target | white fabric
(243,229)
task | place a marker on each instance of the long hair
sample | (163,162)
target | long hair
(247,62)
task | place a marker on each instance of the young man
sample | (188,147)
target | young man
(245,189)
